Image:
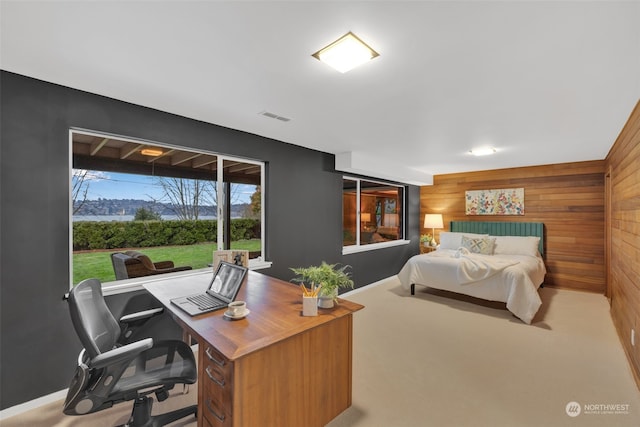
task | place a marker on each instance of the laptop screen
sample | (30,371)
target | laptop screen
(227,280)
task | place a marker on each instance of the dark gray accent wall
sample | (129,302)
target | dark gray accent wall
(38,347)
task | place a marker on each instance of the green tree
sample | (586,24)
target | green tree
(144,214)
(256,207)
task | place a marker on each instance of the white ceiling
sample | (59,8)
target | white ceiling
(543,82)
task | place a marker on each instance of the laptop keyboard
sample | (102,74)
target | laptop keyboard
(205,302)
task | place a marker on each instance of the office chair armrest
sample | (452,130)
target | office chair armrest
(121,354)
(146,314)
(133,323)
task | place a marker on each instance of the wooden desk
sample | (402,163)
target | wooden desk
(272,368)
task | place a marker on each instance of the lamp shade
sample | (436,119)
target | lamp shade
(365,217)
(433,221)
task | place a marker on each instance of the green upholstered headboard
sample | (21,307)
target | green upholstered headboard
(502,229)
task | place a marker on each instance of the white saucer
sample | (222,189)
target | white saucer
(237,316)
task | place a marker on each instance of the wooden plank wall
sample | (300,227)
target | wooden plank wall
(623,182)
(568,198)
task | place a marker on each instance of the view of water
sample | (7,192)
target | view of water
(77,218)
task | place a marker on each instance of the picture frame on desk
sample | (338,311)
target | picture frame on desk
(231,256)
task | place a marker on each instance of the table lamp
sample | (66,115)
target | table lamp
(433,221)
(365,217)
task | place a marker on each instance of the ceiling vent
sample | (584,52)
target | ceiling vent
(275,116)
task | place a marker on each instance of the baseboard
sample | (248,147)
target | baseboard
(33,404)
(626,349)
(369,286)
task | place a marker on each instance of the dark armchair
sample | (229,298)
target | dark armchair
(110,373)
(129,264)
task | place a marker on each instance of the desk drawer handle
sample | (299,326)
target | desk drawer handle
(219,417)
(214,379)
(213,359)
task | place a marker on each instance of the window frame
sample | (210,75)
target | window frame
(358,247)
(135,284)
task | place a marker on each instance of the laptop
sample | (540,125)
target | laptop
(222,290)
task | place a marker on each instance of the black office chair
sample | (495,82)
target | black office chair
(109,372)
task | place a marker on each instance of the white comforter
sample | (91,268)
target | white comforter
(513,279)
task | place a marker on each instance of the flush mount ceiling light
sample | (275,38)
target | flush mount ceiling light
(151,152)
(484,151)
(346,53)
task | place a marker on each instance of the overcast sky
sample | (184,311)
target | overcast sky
(108,185)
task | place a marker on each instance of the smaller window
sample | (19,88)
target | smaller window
(372,213)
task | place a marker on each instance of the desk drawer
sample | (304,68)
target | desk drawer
(217,376)
(217,384)
(211,355)
(214,415)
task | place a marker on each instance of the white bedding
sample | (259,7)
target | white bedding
(513,279)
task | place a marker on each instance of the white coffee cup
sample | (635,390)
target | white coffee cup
(237,308)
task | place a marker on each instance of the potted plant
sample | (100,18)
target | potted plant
(426,239)
(329,277)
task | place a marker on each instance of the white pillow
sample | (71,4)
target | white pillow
(453,240)
(516,245)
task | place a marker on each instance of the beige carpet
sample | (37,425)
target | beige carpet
(429,360)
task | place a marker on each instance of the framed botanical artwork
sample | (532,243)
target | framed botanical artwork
(495,202)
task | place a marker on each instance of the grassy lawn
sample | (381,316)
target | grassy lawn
(98,264)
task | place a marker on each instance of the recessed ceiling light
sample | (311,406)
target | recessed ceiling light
(346,53)
(483,151)
(152,152)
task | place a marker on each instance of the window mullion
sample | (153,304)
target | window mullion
(221,219)
(358,213)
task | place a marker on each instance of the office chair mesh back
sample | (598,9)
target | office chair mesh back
(108,373)
(96,327)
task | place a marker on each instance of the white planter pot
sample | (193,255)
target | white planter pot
(325,302)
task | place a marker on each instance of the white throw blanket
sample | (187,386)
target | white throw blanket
(515,281)
(475,267)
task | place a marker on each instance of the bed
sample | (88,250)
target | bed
(495,261)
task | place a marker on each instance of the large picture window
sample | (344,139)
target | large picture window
(168,207)
(373,214)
